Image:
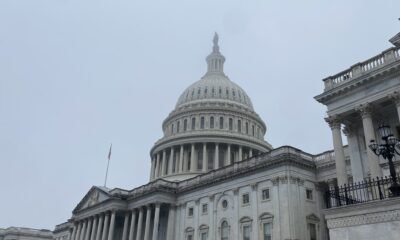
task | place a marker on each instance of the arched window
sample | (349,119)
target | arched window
(202,122)
(185,125)
(211,122)
(224,230)
(221,123)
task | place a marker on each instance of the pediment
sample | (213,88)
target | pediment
(95,196)
(313,218)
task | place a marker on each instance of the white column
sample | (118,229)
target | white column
(112,226)
(105,226)
(171,223)
(395,97)
(251,152)
(254,208)
(216,158)
(156,165)
(83,231)
(205,162)
(171,160)
(164,163)
(99,227)
(88,229)
(125,229)
(78,233)
(340,163)
(354,152)
(369,133)
(193,165)
(152,168)
(228,157)
(240,153)
(94,228)
(211,218)
(74,232)
(147,226)
(181,160)
(156,222)
(139,225)
(133,225)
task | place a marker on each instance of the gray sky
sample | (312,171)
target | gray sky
(77,75)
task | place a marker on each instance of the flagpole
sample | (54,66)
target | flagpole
(108,165)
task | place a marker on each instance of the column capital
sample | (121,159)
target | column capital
(334,121)
(395,97)
(365,110)
(349,130)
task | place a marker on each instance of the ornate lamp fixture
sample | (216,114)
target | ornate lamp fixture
(387,149)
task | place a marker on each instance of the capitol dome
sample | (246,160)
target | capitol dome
(212,125)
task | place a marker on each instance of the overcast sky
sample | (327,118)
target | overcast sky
(78,75)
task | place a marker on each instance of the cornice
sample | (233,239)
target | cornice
(363,219)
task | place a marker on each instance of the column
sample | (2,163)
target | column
(395,97)
(157,166)
(125,229)
(105,226)
(89,228)
(164,163)
(205,161)
(112,226)
(147,226)
(74,231)
(251,152)
(193,165)
(83,231)
(78,232)
(156,222)
(216,157)
(340,163)
(211,218)
(369,133)
(133,224)
(181,160)
(171,223)
(354,152)
(228,157)
(139,225)
(254,209)
(240,153)
(171,160)
(98,234)
(94,228)
(152,168)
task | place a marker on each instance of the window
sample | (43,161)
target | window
(203,236)
(172,128)
(185,125)
(224,230)
(177,126)
(204,208)
(245,199)
(221,123)
(313,231)
(190,212)
(265,194)
(202,122)
(211,122)
(193,123)
(309,194)
(224,204)
(246,232)
(252,129)
(247,128)
(230,123)
(189,237)
(239,126)
(267,231)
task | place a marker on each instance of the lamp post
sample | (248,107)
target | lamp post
(387,149)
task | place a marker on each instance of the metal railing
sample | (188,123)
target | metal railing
(359,192)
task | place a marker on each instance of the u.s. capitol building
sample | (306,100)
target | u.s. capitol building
(214,176)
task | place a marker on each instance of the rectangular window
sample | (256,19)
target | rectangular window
(267,231)
(265,194)
(247,128)
(245,198)
(246,232)
(230,124)
(204,208)
(190,212)
(204,236)
(211,122)
(185,125)
(189,237)
(172,128)
(193,123)
(313,231)
(178,126)
(239,126)
(202,122)
(309,194)
(252,129)
(221,123)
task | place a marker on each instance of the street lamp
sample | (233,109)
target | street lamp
(387,149)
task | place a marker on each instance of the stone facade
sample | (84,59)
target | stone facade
(18,233)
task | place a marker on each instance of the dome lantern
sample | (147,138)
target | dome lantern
(215,61)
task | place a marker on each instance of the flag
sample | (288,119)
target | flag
(109,153)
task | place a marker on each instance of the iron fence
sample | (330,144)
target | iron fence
(359,192)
